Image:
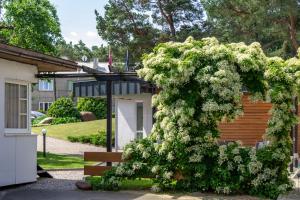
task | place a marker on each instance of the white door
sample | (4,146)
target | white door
(125,122)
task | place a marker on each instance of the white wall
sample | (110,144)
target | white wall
(17,151)
(126,117)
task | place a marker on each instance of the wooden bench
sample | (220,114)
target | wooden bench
(100,157)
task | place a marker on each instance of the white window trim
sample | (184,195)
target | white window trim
(20,131)
(140,131)
(44,102)
(46,90)
(72,87)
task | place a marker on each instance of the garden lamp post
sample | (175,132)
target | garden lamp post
(44,132)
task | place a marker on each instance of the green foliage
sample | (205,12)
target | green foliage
(97,139)
(62,108)
(37,120)
(35,25)
(76,51)
(140,25)
(200,85)
(94,105)
(272,23)
(64,120)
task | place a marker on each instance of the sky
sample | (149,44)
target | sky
(78,20)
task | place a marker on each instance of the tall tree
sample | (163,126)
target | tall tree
(124,25)
(175,15)
(138,25)
(81,49)
(35,25)
(273,23)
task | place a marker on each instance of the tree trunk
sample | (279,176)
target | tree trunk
(293,32)
(168,17)
(171,25)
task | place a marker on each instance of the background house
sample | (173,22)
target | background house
(46,91)
(18,68)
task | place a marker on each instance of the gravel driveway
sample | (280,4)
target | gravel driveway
(58,146)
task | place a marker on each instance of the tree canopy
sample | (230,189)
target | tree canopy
(35,25)
(272,23)
(138,25)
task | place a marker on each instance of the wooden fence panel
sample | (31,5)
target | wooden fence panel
(103,156)
(95,170)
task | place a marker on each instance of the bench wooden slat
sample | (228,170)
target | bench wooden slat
(103,156)
(95,170)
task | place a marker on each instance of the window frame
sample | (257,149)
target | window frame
(43,107)
(70,83)
(137,132)
(42,89)
(22,131)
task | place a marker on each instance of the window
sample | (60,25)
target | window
(139,120)
(44,105)
(16,106)
(46,85)
(70,85)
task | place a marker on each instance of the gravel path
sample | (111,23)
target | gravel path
(51,184)
(67,174)
(55,189)
(58,146)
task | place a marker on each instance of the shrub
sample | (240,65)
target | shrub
(94,105)
(63,107)
(64,120)
(200,85)
(96,139)
(36,121)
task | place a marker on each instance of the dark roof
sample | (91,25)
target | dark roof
(45,63)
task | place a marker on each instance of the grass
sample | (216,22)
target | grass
(55,161)
(127,184)
(137,184)
(62,131)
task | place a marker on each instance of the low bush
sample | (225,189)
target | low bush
(62,108)
(64,120)
(37,120)
(94,105)
(96,139)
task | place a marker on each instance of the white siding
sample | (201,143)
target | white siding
(17,152)
(126,118)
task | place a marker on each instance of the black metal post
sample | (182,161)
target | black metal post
(44,144)
(54,89)
(109,118)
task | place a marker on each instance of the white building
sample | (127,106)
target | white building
(18,68)
(133,106)
(133,115)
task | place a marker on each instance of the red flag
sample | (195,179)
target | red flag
(110,57)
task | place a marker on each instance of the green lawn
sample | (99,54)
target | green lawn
(62,131)
(137,184)
(55,161)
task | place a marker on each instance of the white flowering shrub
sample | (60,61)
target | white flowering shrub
(200,85)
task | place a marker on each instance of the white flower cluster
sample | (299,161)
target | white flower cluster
(127,153)
(168,175)
(196,157)
(137,166)
(222,154)
(155,169)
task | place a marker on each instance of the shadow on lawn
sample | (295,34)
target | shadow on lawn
(56,161)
